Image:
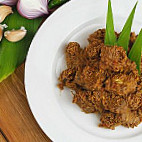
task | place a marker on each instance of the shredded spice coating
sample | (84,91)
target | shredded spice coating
(104,80)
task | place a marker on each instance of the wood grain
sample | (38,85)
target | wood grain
(16,119)
(2,138)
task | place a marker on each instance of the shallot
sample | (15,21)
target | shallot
(8,2)
(32,8)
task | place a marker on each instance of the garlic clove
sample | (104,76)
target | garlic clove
(15,35)
(8,2)
(33,8)
(4,12)
(1,30)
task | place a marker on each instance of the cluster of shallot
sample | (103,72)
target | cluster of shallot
(29,8)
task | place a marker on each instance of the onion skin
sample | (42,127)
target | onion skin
(8,2)
(34,11)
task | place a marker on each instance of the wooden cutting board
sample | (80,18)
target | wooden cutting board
(17,123)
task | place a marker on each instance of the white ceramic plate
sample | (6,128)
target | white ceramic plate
(61,120)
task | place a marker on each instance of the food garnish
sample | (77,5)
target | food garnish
(135,52)
(124,37)
(110,37)
(55,3)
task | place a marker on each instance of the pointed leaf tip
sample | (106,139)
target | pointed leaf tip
(110,37)
(135,52)
(125,34)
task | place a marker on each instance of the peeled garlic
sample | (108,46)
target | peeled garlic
(1,30)
(4,12)
(15,35)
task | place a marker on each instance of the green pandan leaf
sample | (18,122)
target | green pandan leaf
(125,34)
(135,52)
(13,54)
(55,3)
(110,37)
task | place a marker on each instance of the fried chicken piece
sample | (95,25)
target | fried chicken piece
(134,100)
(99,34)
(133,38)
(140,113)
(114,103)
(92,54)
(121,84)
(97,100)
(72,54)
(110,120)
(113,58)
(130,119)
(90,78)
(84,100)
(66,79)
(89,101)
(104,80)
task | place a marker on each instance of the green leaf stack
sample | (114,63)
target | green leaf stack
(13,54)
(124,38)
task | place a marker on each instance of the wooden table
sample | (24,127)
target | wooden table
(17,123)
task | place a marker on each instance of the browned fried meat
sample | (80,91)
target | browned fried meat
(104,80)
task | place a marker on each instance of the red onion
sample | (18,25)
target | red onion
(32,8)
(8,2)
